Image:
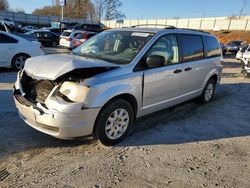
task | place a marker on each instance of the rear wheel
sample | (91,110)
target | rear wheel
(114,122)
(208,92)
(18,61)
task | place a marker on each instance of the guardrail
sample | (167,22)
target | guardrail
(31,19)
(192,23)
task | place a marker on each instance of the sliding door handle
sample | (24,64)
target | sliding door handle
(188,68)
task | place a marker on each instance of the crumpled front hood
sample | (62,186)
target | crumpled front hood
(50,67)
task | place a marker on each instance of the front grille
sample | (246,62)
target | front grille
(36,90)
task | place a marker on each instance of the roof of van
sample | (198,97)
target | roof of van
(157,30)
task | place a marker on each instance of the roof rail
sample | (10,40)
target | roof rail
(169,27)
(165,26)
(198,30)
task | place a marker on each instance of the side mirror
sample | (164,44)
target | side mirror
(154,61)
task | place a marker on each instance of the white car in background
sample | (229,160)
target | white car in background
(9,22)
(242,50)
(15,50)
(67,38)
(244,56)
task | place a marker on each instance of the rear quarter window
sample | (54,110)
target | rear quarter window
(191,47)
(211,46)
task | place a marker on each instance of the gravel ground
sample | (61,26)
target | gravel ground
(189,145)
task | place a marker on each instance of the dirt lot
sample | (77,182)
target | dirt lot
(190,145)
(227,36)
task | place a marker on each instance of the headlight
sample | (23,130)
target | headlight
(74,91)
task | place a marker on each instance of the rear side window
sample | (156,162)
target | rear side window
(191,47)
(7,39)
(79,36)
(76,34)
(212,47)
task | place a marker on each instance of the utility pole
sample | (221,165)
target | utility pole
(62,13)
(62,3)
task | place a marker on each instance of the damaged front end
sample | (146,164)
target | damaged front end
(52,105)
(69,87)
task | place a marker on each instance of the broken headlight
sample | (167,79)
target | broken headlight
(74,92)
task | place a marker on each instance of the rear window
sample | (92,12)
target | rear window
(66,34)
(212,47)
(236,43)
(191,47)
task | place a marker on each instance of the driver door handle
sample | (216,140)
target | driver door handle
(188,68)
(177,71)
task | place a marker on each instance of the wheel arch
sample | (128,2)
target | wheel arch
(214,74)
(18,54)
(125,96)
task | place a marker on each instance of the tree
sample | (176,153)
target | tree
(4,5)
(241,12)
(83,9)
(108,9)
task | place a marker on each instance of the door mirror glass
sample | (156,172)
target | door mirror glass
(154,61)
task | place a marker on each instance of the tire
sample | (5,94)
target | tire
(111,127)
(18,61)
(208,92)
(245,73)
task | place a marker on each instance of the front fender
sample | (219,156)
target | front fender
(99,96)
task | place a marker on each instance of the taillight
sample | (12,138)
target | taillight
(69,39)
(85,36)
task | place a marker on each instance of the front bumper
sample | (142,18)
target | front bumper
(58,124)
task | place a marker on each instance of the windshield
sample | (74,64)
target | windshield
(243,49)
(118,47)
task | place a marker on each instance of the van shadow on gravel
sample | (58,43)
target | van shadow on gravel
(224,117)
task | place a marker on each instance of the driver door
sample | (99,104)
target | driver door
(162,85)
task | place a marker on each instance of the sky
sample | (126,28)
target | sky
(154,9)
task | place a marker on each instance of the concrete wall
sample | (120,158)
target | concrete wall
(219,23)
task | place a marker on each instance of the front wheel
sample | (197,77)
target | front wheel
(114,121)
(208,92)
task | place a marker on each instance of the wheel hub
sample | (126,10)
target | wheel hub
(117,124)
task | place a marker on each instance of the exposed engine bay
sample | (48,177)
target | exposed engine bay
(37,91)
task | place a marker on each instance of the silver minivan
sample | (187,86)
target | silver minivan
(116,77)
